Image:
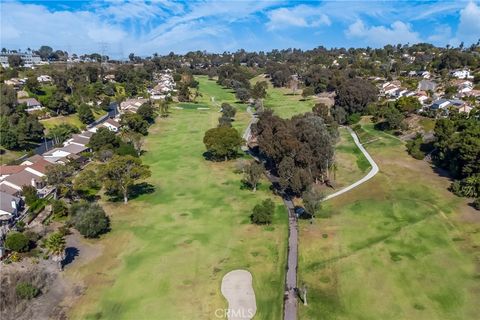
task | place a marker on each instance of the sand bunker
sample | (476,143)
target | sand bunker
(238,290)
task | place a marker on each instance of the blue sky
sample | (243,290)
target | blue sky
(144,27)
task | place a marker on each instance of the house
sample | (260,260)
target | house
(422,97)
(463,86)
(440,104)
(23,178)
(81,139)
(7,170)
(465,109)
(32,104)
(9,206)
(461,74)
(427,85)
(109,77)
(44,78)
(63,154)
(131,105)
(15,82)
(112,125)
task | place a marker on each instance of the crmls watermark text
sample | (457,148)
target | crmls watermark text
(234,313)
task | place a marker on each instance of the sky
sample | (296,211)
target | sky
(117,28)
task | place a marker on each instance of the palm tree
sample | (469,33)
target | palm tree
(55,245)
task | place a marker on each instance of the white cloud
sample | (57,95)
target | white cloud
(299,16)
(469,26)
(397,32)
(35,25)
(442,35)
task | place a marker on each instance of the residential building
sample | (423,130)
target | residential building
(9,206)
(427,85)
(131,105)
(112,125)
(440,104)
(462,74)
(32,104)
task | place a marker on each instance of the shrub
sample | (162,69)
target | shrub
(263,212)
(25,290)
(89,219)
(17,242)
(476,203)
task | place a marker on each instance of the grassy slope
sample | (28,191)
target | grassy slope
(283,102)
(70,119)
(168,250)
(394,248)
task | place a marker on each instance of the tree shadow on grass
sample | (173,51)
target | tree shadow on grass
(134,192)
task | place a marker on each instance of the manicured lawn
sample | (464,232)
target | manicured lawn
(70,119)
(283,102)
(398,247)
(350,161)
(168,250)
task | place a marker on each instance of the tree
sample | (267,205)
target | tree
(228,110)
(183,93)
(147,112)
(414,147)
(26,290)
(253,173)
(393,119)
(85,114)
(61,132)
(135,139)
(87,183)
(224,121)
(259,90)
(121,173)
(222,142)
(104,139)
(30,194)
(15,61)
(355,94)
(89,219)
(17,242)
(307,92)
(44,52)
(263,212)
(312,199)
(59,176)
(33,85)
(408,104)
(134,122)
(55,245)
(242,94)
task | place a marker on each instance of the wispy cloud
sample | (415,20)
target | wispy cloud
(299,16)
(397,32)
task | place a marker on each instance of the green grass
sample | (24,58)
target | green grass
(427,124)
(168,250)
(8,156)
(283,102)
(350,161)
(70,119)
(392,249)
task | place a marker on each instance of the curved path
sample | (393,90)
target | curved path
(369,175)
(290,299)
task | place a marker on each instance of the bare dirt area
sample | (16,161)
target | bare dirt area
(58,291)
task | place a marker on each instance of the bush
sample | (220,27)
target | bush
(476,204)
(25,290)
(59,209)
(263,213)
(89,219)
(17,242)
(353,118)
(414,147)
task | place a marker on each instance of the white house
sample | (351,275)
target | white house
(112,125)
(32,104)
(44,78)
(440,104)
(462,74)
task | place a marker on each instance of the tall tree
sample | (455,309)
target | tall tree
(222,142)
(312,199)
(122,172)
(59,176)
(253,173)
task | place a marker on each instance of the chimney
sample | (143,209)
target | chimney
(14,205)
(33,183)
